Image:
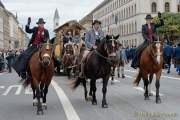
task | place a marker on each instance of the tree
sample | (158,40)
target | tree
(171,28)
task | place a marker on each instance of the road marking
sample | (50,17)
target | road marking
(174,78)
(141,89)
(128,76)
(68,108)
(2,87)
(171,78)
(18,90)
(28,91)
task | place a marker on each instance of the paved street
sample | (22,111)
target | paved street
(125,102)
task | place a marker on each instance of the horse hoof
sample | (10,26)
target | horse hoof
(158,101)
(105,105)
(38,113)
(44,105)
(146,98)
(94,102)
(150,94)
(88,98)
(112,83)
(34,102)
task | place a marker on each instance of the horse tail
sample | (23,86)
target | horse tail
(77,82)
(137,80)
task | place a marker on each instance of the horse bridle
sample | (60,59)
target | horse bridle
(40,51)
(105,47)
(153,54)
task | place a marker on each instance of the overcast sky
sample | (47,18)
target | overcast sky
(68,10)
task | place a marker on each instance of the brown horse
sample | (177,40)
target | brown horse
(151,62)
(68,58)
(41,70)
(98,65)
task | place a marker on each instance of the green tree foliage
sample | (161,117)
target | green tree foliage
(171,28)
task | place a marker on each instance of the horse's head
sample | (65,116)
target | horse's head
(46,54)
(110,46)
(157,50)
(69,49)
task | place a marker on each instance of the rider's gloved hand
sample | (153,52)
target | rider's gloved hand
(29,20)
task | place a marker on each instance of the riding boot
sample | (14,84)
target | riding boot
(23,75)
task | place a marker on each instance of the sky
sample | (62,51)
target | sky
(68,10)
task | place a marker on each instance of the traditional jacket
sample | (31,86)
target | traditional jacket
(91,37)
(34,32)
(154,27)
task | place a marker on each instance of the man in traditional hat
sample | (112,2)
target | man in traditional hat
(39,35)
(93,35)
(148,33)
(92,38)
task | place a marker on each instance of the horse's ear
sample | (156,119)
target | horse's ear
(108,37)
(116,37)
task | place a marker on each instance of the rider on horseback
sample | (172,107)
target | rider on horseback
(148,32)
(40,34)
(92,38)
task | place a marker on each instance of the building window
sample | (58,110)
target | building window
(132,12)
(178,7)
(135,27)
(167,7)
(154,7)
(135,9)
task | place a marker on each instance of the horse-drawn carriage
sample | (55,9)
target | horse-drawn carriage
(66,51)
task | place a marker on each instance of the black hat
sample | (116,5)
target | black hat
(40,21)
(96,21)
(148,16)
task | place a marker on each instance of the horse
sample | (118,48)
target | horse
(119,64)
(98,65)
(41,71)
(68,58)
(151,62)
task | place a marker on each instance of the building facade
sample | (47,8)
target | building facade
(86,22)
(13,25)
(21,38)
(126,17)
(1,28)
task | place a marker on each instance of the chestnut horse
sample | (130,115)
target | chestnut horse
(41,70)
(68,58)
(151,62)
(98,65)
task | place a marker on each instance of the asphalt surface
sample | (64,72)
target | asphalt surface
(125,101)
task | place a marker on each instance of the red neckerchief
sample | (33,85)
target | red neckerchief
(39,36)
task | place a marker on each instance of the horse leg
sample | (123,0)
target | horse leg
(34,95)
(91,91)
(146,82)
(112,74)
(85,90)
(157,84)
(104,90)
(39,105)
(44,97)
(122,71)
(118,71)
(150,81)
(93,85)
